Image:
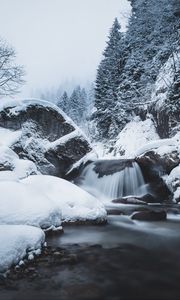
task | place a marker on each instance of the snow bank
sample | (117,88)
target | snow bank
(16,241)
(8,137)
(133,136)
(10,161)
(8,176)
(22,204)
(74,203)
(162,146)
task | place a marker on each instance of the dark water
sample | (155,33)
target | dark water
(124,259)
(122,230)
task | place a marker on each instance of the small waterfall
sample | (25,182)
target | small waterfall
(99,179)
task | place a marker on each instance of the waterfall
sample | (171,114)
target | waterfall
(102,182)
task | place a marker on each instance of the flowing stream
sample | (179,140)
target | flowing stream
(123,259)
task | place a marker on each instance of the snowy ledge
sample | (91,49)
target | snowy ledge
(18,241)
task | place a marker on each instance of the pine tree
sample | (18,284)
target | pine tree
(77,105)
(90,101)
(107,81)
(63,102)
(83,105)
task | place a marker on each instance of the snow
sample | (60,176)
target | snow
(7,155)
(18,105)
(91,156)
(16,241)
(8,137)
(8,176)
(177,195)
(164,81)
(173,182)
(74,203)
(103,150)
(64,139)
(175,174)
(133,136)
(10,160)
(171,148)
(161,147)
(25,205)
(24,168)
(21,167)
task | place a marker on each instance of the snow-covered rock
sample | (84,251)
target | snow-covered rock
(133,136)
(9,161)
(16,241)
(166,152)
(23,204)
(159,159)
(74,203)
(8,137)
(44,134)
(173,181)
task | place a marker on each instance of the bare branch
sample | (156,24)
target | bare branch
(11,75)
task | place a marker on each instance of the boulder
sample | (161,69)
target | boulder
(149,215)
(161,163)
(129,200)
(114,212)
(48,137)
(109,167)
(173,182)
(154,166)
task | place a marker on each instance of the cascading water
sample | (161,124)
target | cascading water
(110,181)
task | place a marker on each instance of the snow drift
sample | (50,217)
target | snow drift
(75,204)
(16,241)
(21,204)
(133,136)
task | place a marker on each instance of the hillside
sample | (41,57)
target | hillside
(147,51)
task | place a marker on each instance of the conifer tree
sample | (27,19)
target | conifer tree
(107,81)
(63,102)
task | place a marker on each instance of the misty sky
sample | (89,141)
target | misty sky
(58,40)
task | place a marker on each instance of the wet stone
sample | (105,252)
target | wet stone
(149,215)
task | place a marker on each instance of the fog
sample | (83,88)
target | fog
(59,40)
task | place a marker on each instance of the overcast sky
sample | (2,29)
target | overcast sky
(58,40)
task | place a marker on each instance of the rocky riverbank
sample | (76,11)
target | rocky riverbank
(120,260)
(93,272)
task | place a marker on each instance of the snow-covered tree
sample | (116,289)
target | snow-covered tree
(126,77)
(107,80)
(77,105)
(63,102)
